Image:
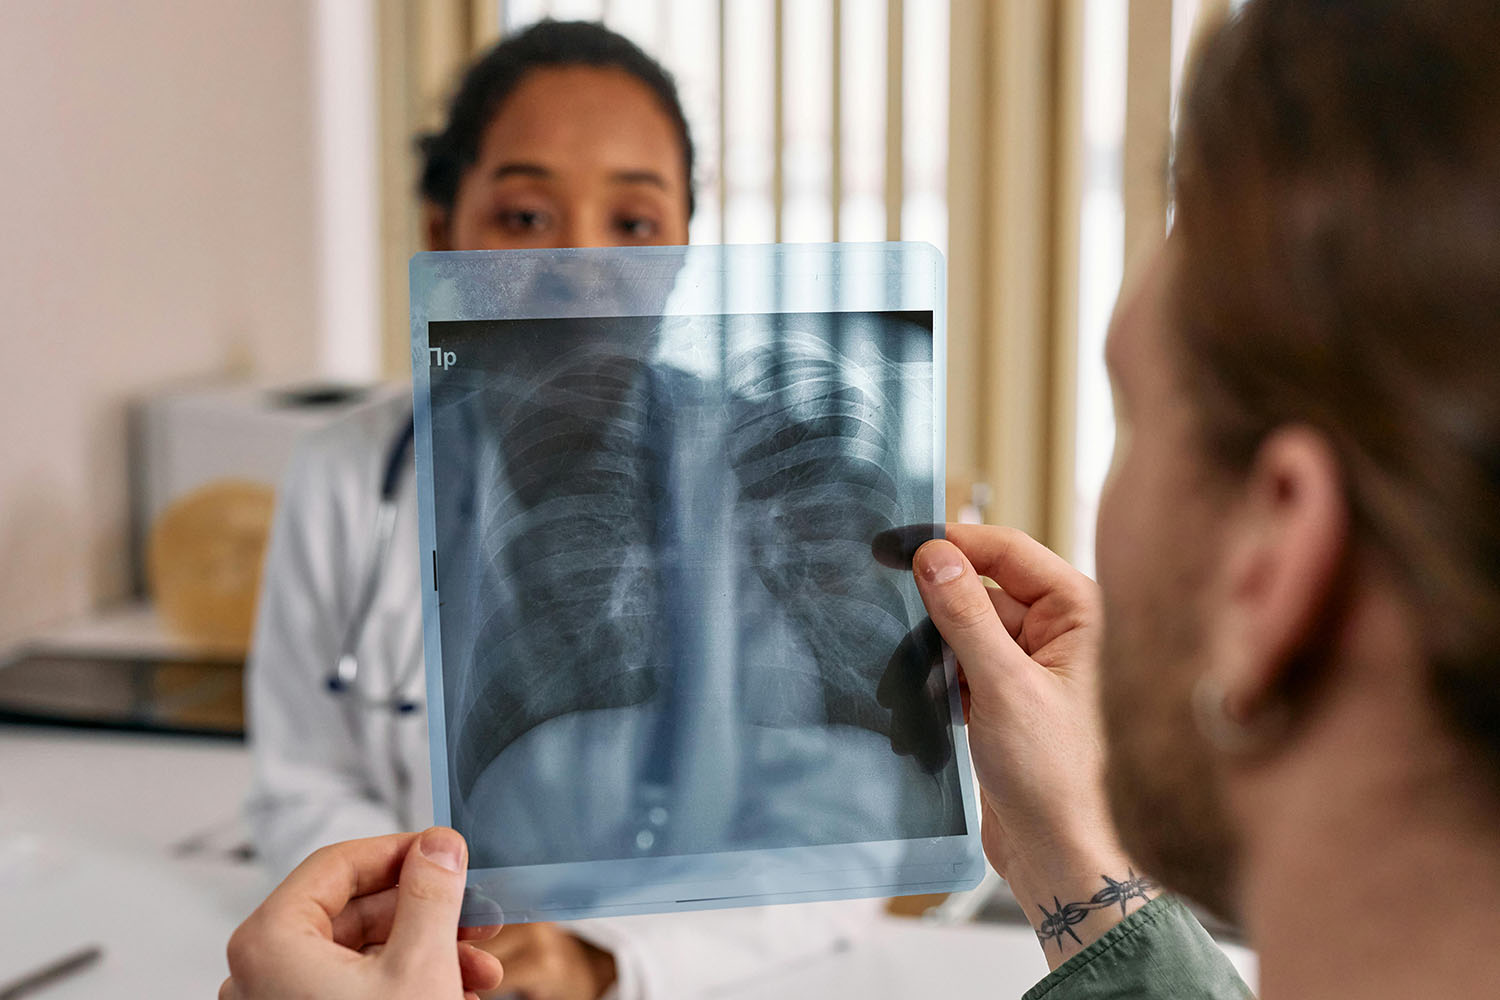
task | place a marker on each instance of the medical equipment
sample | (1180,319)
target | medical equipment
(666,669)
(187,436)
(344,680)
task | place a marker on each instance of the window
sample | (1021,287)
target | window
(1102,257)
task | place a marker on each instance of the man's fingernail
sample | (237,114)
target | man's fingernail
(939,563)
(444,848)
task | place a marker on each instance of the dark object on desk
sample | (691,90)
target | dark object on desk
(198,697)
(50,973)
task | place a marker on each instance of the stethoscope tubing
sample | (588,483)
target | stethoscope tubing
(344,680)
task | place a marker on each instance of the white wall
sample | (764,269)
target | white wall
(158,221)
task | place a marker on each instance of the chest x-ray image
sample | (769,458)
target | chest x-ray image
(665,648)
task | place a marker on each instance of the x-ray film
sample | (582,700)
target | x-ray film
(675,657)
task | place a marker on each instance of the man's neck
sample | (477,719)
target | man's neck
(1371,883)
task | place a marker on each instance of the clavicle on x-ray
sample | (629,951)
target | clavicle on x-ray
(675,657)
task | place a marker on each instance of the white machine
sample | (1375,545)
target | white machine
(186,437)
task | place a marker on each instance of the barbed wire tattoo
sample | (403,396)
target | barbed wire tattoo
(1061,919)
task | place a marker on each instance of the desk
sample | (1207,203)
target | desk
(87,825)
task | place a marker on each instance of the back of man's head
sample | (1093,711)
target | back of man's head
(1338,202)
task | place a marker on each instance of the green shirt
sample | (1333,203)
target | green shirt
(1159,950)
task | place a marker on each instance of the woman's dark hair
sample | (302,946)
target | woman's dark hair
(1338,202)
(493,77)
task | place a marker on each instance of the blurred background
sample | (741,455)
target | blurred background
(204,202)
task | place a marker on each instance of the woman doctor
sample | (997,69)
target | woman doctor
(565,135)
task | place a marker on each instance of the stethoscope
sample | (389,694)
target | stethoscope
(343,680)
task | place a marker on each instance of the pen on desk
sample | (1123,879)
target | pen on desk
(73,962)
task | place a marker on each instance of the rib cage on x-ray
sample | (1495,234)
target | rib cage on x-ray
(813,455)
(566,538)
(578,521)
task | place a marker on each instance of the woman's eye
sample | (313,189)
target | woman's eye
(524,220)
(638,229)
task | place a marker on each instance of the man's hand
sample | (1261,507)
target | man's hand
(366,919)
(1028,653)
(545,962)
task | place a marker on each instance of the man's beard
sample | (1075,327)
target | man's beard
(1164,790)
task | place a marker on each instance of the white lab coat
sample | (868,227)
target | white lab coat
(328,768)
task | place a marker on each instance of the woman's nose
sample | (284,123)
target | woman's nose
(585,229)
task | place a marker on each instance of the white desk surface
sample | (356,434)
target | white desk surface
(87,822)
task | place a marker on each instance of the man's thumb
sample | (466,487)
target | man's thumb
(961,609)
(428,897)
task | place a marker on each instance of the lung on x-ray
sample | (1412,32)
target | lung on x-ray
(668,667)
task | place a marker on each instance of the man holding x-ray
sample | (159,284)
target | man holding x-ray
(1299,682)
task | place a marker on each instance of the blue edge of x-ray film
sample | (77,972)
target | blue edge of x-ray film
(675,656)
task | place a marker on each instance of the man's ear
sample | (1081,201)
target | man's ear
(1286,544)
(435,227)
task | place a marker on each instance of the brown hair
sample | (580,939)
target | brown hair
(1338,204)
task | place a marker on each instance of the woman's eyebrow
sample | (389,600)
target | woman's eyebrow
(639,177)
(505,170)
